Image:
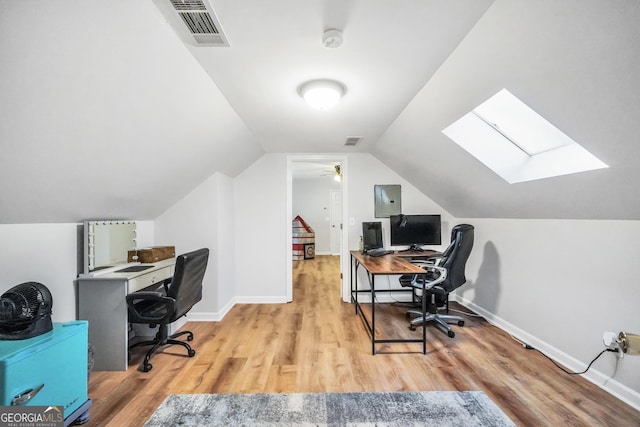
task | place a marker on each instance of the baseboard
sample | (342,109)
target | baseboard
(216,316)
(261,300)
(610,385)
(219,315)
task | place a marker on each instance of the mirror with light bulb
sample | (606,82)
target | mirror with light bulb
(106,243)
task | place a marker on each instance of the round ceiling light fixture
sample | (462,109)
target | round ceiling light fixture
(322,94)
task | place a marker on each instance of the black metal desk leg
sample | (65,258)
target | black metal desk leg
(424,316)
(356,284)
(373,314)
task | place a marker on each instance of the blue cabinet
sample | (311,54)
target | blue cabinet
(55,362)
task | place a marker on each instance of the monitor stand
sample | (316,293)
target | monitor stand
(413,248)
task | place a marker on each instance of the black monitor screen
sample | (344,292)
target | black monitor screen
(415,230)
(371,235)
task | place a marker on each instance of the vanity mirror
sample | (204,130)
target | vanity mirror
(106,243)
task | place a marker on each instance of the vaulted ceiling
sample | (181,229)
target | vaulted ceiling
(104,103)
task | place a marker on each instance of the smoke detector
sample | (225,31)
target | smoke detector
(332,38)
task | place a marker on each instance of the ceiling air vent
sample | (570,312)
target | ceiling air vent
(200,22)
(352,140)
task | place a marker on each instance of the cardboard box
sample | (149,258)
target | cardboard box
(152,254)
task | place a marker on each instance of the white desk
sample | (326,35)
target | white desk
(101,301)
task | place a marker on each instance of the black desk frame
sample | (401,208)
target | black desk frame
(371,327)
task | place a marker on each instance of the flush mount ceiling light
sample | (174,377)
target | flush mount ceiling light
(322,94)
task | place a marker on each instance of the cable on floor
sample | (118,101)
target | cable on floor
(467,313)
(576,373)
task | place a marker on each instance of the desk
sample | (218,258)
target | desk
(392,264)
(101,301)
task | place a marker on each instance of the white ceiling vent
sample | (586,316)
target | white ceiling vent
(195,21)
(352,140)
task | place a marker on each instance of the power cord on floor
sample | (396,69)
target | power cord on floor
(562,368)
(529,347)
(467,313)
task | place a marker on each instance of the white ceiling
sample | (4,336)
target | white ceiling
(103,104)
(390,50)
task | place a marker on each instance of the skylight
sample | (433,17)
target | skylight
(517,143)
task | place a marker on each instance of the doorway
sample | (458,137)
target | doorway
(329,216)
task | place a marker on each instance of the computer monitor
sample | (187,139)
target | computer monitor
(415,230)
(371,235)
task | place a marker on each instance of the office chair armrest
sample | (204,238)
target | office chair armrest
(149,307)
(424,263)
(410,279)
(442,275)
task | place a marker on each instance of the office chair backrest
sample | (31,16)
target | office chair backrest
(186,285)
(455,257)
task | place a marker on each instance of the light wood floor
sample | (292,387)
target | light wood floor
(317,344)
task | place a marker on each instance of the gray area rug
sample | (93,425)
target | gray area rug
(436,408)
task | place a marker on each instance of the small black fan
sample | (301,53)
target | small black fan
(25,311)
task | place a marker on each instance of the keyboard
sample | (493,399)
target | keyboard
(378,252)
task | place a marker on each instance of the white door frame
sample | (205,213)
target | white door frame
(335,238)
(344,246)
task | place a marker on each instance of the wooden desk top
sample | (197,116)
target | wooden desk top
(387,264)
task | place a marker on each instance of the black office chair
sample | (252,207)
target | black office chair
(162,308)
(442,277)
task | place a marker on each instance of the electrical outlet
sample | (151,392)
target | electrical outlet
(610,341)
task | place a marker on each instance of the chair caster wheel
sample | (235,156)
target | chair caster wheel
(461,323)
(192,353)
(451,334)
(412,327)
(147,367)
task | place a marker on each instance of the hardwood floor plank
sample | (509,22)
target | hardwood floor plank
(317,344)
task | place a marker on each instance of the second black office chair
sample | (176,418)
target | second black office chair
(161,309)
(452,267)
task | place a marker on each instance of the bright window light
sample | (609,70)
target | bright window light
(517,143)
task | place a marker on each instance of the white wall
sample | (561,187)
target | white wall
(45,253)
(312,201)
(225,246)
(365,171)
(52,255)
(558,285)
(260,230)
(261,218)
(195,222)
